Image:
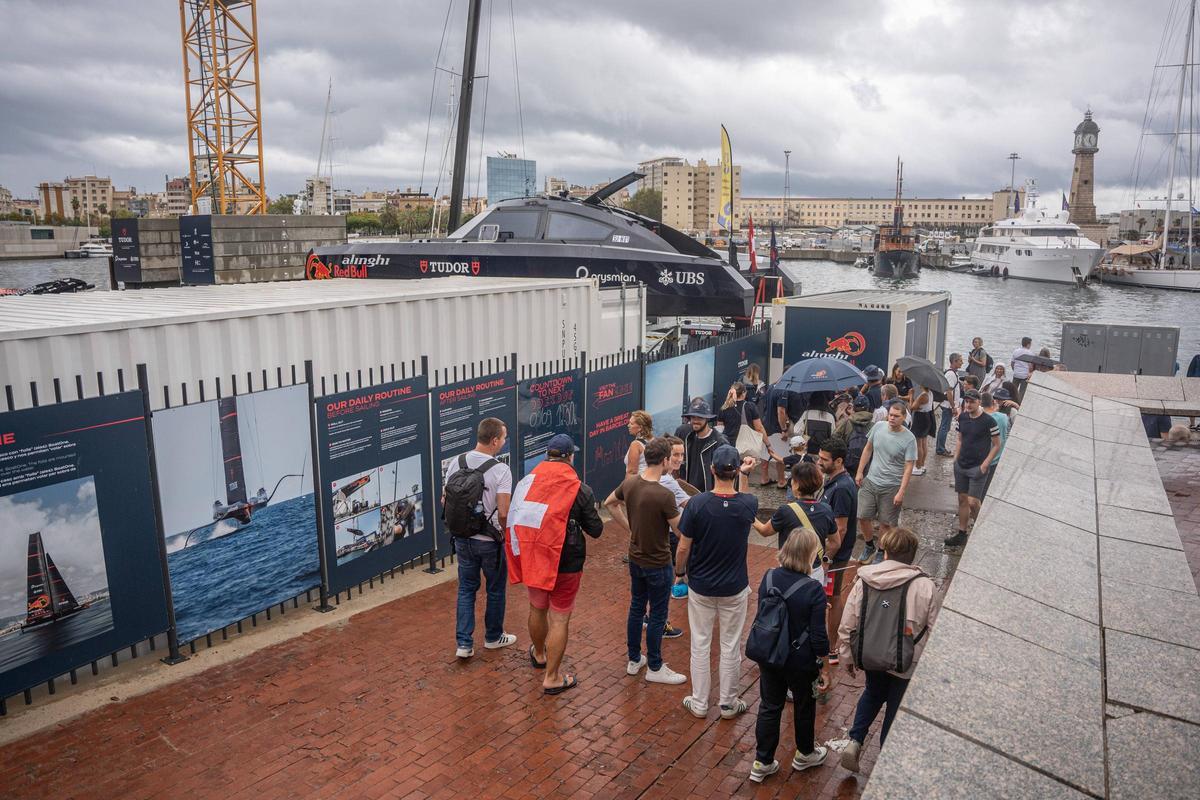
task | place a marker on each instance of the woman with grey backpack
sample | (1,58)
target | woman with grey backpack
(885,625)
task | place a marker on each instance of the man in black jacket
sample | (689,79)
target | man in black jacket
(699,445)
(550,611)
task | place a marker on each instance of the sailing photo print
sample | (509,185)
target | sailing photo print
(235,478)
(79,557)
(373,451)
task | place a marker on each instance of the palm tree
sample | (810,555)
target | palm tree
(75,207)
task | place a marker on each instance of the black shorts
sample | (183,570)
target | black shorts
(923,424)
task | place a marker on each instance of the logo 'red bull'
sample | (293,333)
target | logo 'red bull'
(852,344)
(821,373)
(315,269)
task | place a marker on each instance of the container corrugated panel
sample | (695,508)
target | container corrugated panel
(188,334)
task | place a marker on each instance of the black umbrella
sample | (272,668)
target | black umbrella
(1037,361)
(923,372)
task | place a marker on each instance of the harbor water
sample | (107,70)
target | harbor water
(1001,311)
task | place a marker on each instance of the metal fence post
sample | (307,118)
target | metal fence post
(318,492)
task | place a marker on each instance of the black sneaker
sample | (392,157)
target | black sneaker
(671,632)
(957,540)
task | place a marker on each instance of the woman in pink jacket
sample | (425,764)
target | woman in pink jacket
(885,686)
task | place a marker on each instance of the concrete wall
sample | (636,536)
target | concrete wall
(246,249)
(16,240)
(1063,662)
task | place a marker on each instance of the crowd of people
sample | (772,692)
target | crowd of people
(846,579)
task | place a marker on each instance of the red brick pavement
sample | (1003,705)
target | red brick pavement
(377,706)
(1179,467)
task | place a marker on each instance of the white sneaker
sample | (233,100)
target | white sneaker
(665,674)
(464,652)
(693,707)
(918,471)
(504,641)
(729,712)
(632,667)
(814,759)
(759,770)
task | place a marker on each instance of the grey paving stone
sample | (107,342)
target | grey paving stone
(1037,706)
(1150,611)
(1158,387)
(1132,525)
(1078,460)
(1173,771)
(1077,399)
(1131,455)
(1191,389)
(1101,384)
(1057,564)
(1109,405)
(1043,468)
(1047,490)
(1119,429)
(1039,433)
(1128,493)
(1056,413)
(1113,711)
(1146,673)
(923,760)
(1145,565)
(1025,618)
(1059,381)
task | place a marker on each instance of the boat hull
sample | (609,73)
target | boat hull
(896,264)
(676,284)
(1070,265)
(1184,280)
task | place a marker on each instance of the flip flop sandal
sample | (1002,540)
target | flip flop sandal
(536,664)
(568,683)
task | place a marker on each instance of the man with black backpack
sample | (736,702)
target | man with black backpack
(475,497)
(886,623)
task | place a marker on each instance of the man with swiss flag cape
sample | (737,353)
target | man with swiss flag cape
(550,511)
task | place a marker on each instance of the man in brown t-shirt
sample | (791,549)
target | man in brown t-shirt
(647,509)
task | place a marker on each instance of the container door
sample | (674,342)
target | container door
(931,336)
(1123,350)
(1160,348)
(1083,346)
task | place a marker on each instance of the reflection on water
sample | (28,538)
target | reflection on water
(21,274)
(1002,311)
(22,646)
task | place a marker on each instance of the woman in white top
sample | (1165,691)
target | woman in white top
(994,379)
(641,428)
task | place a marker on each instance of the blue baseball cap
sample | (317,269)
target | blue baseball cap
(726,457)
(561,445)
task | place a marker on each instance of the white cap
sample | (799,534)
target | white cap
(797,442)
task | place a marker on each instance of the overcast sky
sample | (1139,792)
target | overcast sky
(95,86)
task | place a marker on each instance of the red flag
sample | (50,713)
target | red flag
(753,255)
(537,523)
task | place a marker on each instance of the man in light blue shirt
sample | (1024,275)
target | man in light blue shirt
(887,459)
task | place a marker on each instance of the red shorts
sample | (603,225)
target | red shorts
(561,598)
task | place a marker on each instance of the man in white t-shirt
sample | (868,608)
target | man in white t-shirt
(949,407)
(481,553)
(1021,370)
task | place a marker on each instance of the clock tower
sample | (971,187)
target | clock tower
(1083,205)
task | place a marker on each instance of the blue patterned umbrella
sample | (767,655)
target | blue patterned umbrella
(821,375)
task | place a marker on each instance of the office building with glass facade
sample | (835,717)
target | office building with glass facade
(509,176)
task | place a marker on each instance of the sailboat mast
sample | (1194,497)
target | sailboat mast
(324,129)
(458,177)
(1190,66)
(1183,73)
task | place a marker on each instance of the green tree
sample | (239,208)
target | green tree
(389,221)
(284,204)
(362,222)
(646,202)
(75,206)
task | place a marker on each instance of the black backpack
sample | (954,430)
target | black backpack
(462,508)
(770,642)
(855,445)
(940,397)
(761,405)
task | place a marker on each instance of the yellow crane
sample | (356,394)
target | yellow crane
(224,121)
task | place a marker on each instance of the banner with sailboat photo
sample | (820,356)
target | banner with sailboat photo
(373,451)
(235,478)
(80,573)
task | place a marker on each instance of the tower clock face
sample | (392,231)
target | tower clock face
(1079,140)
(1089,140)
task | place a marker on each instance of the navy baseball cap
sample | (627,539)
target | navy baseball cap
(862,401)
(561,445)
(726,457)
(873,373)
(971,394)
(1001,394)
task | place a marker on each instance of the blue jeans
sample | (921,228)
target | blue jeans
(475,556)
(648,585)
(882,689)
(947,417)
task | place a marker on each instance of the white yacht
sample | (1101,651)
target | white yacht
(1037,245)
(95,249)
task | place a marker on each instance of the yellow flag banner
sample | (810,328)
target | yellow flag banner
(725,214)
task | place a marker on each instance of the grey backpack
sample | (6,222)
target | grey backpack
(882,642)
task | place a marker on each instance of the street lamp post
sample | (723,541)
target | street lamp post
(1012,187)
(787,187)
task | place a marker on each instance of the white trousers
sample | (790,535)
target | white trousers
(703,612)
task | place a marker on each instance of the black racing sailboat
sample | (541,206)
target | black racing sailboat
(238,506)
(50,599)
(343,503)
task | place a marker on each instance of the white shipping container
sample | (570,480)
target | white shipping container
(188,334)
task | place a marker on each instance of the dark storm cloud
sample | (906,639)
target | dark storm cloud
(953,87)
